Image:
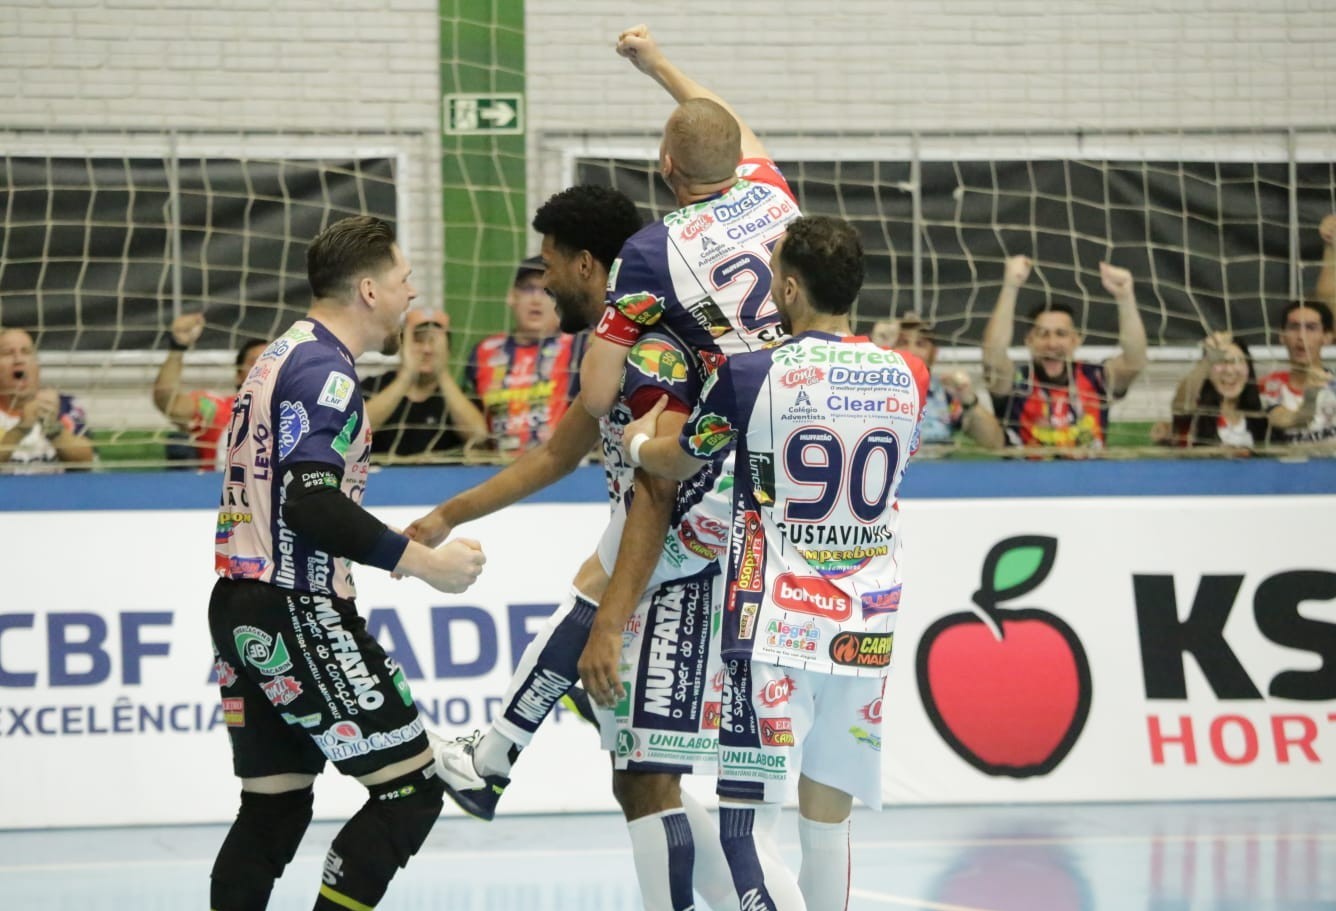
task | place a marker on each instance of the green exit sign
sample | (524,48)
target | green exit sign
(491,114)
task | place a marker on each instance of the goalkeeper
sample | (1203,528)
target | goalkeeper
(301,680)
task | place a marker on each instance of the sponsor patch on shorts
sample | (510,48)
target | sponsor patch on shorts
(234,712)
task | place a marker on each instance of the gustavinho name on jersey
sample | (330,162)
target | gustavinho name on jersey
(822,428)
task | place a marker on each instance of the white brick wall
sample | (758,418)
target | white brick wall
(364,70)
(946,64)
(964,65)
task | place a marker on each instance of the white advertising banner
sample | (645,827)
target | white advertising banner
(1050,650)
(1135,648)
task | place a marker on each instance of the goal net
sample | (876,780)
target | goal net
(1219,229)
(105,238)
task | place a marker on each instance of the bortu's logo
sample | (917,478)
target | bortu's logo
(1007,688)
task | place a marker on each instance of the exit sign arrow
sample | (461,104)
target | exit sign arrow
(484,114)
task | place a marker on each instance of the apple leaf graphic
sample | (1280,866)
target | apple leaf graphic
(1014,567)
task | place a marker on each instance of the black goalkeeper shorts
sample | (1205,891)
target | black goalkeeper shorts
(303,682)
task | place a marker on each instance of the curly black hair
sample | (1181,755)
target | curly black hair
(589,217)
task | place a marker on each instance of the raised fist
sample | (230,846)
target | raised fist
(1116,280)
(1017,271)
(636,45)
(187,328)
(1327,229)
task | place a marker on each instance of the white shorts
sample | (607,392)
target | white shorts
(672,679)
(778,721)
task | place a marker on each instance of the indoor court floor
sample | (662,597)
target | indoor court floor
(1244,856)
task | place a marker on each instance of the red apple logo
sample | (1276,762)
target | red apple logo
(1008,689)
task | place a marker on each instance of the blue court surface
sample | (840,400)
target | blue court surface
(1245,856)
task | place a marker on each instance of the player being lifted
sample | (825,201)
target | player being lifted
(821,428)
(703,137)
(704,269)
(702,272)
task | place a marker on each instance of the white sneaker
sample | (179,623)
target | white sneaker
(475,794)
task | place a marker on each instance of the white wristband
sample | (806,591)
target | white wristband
(633,451)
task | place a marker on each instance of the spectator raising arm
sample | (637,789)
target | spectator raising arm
(380,406)
(1325,289)
(997,367)
(177,408)
(1127,364)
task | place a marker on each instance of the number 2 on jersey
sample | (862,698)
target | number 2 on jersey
(756,309)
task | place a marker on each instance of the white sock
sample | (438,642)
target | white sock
(824,877)
(711,876)
(661,846)
(767,827)
(553,653)
(492,754)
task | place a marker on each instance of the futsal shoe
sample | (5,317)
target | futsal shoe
(476,794)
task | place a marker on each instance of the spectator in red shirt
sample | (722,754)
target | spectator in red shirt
(1056,400)
(523,380)
(204,415)
(1301,398)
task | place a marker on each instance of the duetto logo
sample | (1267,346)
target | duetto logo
(1008,689)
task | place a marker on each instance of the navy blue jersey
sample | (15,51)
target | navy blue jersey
(657,364)
(703,271)
(300,403)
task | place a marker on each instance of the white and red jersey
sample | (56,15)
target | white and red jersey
(1276,389)
(300,403)
(704,270)
(821,428)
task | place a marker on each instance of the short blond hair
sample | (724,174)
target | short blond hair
(703,140)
